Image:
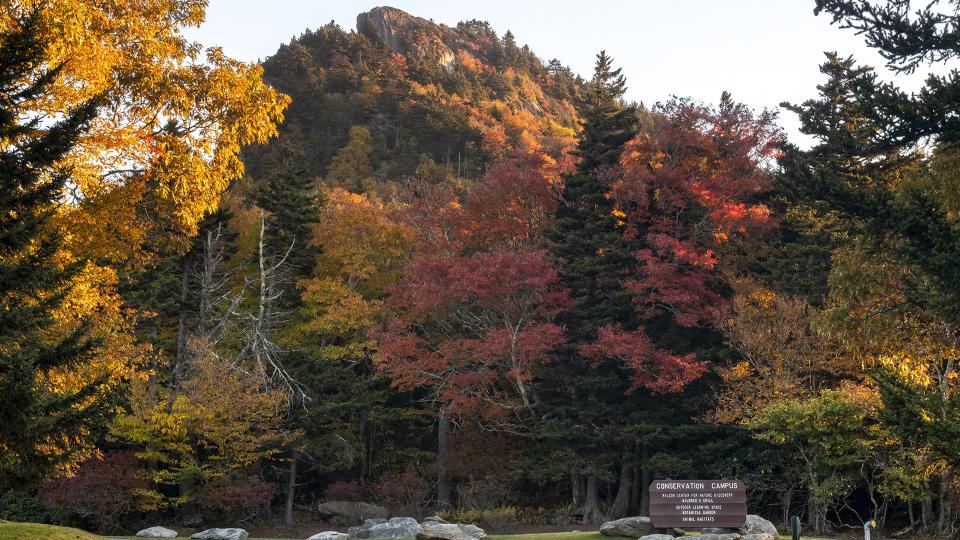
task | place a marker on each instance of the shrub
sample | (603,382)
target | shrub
(483,494)
(347,491)
(102,491)
(240,499)
(19,506)
(407,493)
(498,519)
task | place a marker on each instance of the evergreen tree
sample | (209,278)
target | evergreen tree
(582,401)
(588,240)
(31,282)
(291,198)
(868,137)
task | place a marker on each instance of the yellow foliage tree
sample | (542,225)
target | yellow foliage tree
(164,146)
(363,251)
(220,421)
(174,118)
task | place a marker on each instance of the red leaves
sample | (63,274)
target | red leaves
(655,369)
(511,205)
(688,185)
(472,327)
(475,310)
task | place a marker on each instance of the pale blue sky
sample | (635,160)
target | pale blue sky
(763,51)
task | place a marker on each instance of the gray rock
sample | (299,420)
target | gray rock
(434,519)
(398,527)
(729,536)
(757,525)
(157,532)
(758,536)
(717,530)
(657,537)
(221,534)
(329,535)
(388,25)
(634,527)
(450,531)
(351,512)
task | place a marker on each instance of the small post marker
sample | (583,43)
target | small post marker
(866,528)
(795,528)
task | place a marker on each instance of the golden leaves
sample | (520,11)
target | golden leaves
(172,122)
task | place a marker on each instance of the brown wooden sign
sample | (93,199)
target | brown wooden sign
(695,504)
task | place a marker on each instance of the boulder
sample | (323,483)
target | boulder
(657,537)
(329,535)
(398,527)
(157,532)
(757,525)
(350,512)
(758,536)
(221,534)
(634,527)
(450,531)
(729,536)
(717,530)
(388,25)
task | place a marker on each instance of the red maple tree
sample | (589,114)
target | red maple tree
(687,186)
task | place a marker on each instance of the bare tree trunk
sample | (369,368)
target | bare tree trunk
(291,489)
(364,453)
(621,502)
(576,489)
(645,484)
(785,500)
(182,322)
(945,507)
(443,482)
(591,504)
(926,509)
(636,490)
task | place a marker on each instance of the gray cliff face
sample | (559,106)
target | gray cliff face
(406,34)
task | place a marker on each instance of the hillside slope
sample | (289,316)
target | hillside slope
(433,99)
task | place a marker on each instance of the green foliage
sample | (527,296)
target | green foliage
(832,437)
(36,424)
(20,506)
(350,167)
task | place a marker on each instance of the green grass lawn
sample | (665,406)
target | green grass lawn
(34,531)
(551,536)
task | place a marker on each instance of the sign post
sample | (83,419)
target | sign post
(696,504)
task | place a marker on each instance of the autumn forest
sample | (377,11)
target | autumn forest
(418,269)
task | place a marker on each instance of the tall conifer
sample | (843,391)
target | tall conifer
(34,420)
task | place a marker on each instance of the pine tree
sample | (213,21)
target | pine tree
(31,283)
(291,198)
(583,401)
(588,238)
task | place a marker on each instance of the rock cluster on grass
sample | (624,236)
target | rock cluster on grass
(329,535)
(755,528)
(221,534)
(635,527)
(398,527)
(432,528)
(450,531)
(157,532)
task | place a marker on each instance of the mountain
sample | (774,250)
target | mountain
(434,100)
